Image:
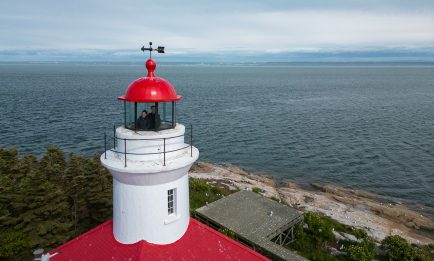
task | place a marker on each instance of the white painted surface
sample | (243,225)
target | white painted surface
(141,142)
(140,210)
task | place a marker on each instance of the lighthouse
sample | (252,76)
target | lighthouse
(149,160)
(149,163)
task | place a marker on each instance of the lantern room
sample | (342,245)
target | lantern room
(150,103)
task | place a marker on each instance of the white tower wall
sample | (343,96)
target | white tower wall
(140,189)
(138,213)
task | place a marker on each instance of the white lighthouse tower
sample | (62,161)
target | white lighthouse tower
(149,163)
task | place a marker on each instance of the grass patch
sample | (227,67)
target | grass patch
(202,193)
(315,239)
(258,190)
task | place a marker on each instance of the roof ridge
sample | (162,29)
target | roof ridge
(142,250)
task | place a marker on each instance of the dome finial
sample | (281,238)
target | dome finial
(151,65)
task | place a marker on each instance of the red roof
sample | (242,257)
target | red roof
(150,88)
(200,242)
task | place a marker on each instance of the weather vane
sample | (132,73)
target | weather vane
(160,49)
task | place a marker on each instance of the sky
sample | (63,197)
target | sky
(204,28)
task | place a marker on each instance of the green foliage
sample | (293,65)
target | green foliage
(318,227)
(360,234)
(275,199)
(338,226)
(314,240)
(201,193)
(44,219)
(11,244)
(397,248)
(257,190)
(308,247)
(228,232)
(8,161)
(424,253)
(364,251)
(311,242)
(49,201)
(53,164)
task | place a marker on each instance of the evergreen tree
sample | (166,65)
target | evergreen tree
(13,244)
(8,162)
(53,164)
(74,187)
(88,187)
(7,218)
(47,202)
(98,191)
(9,183)
(44,218)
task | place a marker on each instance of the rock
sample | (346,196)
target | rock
(308,199)
(351,237)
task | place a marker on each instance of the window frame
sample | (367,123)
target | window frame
(131,110)
(171,202)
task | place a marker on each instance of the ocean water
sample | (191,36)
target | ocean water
(365,127)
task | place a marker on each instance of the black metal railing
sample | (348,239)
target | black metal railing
(164,152)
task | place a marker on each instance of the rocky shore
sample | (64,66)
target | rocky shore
(351,207)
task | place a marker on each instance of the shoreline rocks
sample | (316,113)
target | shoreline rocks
(356,208)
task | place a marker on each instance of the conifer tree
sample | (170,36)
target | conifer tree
(98,192)
(44,218)
(8,162)
(74,187)
(47,202)
(53,164)
(8,187)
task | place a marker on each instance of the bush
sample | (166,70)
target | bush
(360,233)
(397,249)
(321,230)
(364,251)
(257,190)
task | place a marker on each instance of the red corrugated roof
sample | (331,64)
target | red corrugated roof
(199,243)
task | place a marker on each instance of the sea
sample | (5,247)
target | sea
(367,127)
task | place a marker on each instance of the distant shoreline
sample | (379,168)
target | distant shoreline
(246,64)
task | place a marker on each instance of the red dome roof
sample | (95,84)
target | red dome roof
(150,88)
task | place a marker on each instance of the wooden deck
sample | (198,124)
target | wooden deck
(259,222)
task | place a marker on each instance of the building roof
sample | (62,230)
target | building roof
(256,219)
(150,88)
(200,242)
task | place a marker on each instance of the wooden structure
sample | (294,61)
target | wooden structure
(258,222)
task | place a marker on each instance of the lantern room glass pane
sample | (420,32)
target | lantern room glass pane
(129,115)
(163,120)
(165,111)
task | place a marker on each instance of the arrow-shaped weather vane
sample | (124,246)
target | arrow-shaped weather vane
(160,49)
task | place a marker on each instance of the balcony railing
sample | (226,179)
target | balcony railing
(125,153)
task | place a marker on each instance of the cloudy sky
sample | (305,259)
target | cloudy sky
(187,27)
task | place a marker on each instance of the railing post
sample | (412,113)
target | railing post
(105,145)
(191,140)
(125,152)
(114,136)
(164,152)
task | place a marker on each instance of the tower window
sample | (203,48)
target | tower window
(171,197)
